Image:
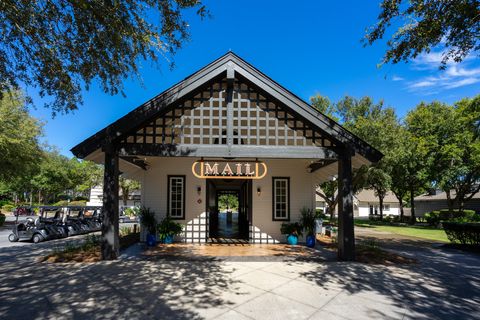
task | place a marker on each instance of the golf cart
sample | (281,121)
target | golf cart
(28,230)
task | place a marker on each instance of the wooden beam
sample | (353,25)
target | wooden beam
(224,151)
(320,164)
(110,228)
(346,234)
(136,162)
(229,101)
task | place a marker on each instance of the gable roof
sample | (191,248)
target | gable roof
(368,195)
(156,105)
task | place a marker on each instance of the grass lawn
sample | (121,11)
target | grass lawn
(413,231)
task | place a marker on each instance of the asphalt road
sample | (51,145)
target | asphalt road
(6,229)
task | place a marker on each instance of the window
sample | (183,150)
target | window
(281,198)
(176,197)
(386,207)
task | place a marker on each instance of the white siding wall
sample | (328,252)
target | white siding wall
(154,195)
(364,209)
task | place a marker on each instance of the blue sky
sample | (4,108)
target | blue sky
(307,46)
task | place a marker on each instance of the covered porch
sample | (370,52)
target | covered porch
(228,112)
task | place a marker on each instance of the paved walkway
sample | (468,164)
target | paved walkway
(444,285)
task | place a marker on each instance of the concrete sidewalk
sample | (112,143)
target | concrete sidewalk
(444,285)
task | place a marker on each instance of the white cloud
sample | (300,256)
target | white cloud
(461,83)
(455,75)
(397,78)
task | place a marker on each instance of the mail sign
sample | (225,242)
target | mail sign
(220,169)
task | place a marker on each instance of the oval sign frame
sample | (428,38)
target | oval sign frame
(256,176)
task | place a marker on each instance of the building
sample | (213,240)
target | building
(437,200)
(365,203)
(227,128)
(96,198)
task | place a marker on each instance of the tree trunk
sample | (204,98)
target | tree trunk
(380,198)
(412,205)
(450,203)
(125,197)
(331,210)
(401,209)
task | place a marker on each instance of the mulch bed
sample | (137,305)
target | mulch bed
(85,256)
(89,255)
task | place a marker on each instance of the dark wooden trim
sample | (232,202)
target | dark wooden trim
(110,228)
(346,233)
(136,161)
(184,195)
(273,199)
(320,164)
(223,151)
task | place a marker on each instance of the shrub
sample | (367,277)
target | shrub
(432,218)
(374,217)
(464,233)
(168,228)
(307,220)
(435,217)
(320,214)
(2,219)
(148,220)
(80,198)
(131,212)
(8,208)
(289,228)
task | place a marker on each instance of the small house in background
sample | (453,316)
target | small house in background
(437,200)
(366,202)
(96,198)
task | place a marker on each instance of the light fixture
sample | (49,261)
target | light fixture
(259,191)
(199,190)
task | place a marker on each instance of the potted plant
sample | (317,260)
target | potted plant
(308,222)
(292,230)
(147,219)
(167,229)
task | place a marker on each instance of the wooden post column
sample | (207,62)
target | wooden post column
(346,236)
(110,228)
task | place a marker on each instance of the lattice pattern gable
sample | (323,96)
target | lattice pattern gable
(203,120)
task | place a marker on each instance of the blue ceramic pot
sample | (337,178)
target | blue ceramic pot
(151,240)
(310,241)
(168,240)
(292,239)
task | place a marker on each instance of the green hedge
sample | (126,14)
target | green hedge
(8,208)
(435,217)
(2,219)
(463,232)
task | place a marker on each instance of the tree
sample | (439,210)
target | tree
(449,134)
(425,24)
(409,169)
(84,175)
(60,46)
(379,126)
(19,134)
(228,201)
(126,187)
(328,192)
(324,105)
